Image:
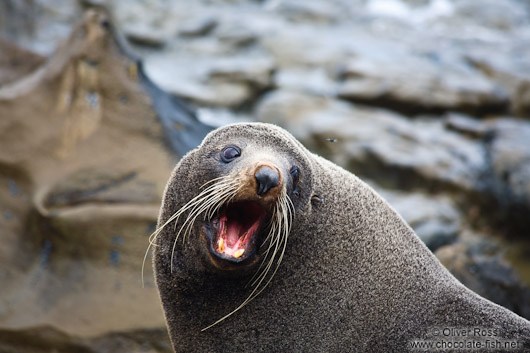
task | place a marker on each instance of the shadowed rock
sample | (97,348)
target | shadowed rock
(480,266)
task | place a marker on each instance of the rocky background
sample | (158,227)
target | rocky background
(427,100)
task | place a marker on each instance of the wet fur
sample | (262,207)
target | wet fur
(354,278)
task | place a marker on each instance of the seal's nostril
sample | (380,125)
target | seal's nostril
(267,179)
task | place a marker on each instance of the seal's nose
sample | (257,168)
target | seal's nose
(267,179)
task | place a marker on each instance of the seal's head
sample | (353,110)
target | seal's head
(230,203)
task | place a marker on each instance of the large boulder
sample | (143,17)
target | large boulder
(435,219)
(227,81)
(83,163)
(441,82)
(378,143)
(45,339)
(509,157)
(480,265)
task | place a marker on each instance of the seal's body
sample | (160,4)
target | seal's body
(348,274)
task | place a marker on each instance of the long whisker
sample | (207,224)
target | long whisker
(281,239)
(218,191)
(290,212)
(281,225)
(275,229)
(215,202)
(200,207)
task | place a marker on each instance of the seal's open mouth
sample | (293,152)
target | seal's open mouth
(235,230)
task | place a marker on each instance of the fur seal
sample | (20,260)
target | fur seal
(263,246)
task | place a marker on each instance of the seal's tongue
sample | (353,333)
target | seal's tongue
(238,223)
(233,231)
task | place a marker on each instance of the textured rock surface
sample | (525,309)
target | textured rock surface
(436,219)
(227,81)
(509,153)
(415,153)
(480,266)
(83,165)
(44,339)
(16,62)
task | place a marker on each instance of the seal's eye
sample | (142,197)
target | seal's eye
(230,153)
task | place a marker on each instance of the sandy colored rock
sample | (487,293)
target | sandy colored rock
(16,62)
(45,339)
(82,167)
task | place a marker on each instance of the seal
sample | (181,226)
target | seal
(262,246)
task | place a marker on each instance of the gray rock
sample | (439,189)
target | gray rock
(361,51)
(38,26)
(380,144)
(147,36)
(308,11)
(197,26)
(221,116)
(435,219)
(312,80)
(480,266)
(509,153)
(150,25)
(509,65)
(413,83)
(223,82)
(411,11)
(521,99)
(502,15)
(236,35)
(426,154)
(403,71)
(306,47)
(254,71)
(466,125)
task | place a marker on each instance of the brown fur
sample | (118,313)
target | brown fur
(355,276)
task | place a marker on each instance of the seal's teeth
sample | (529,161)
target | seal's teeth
(238,253)
(221,245)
